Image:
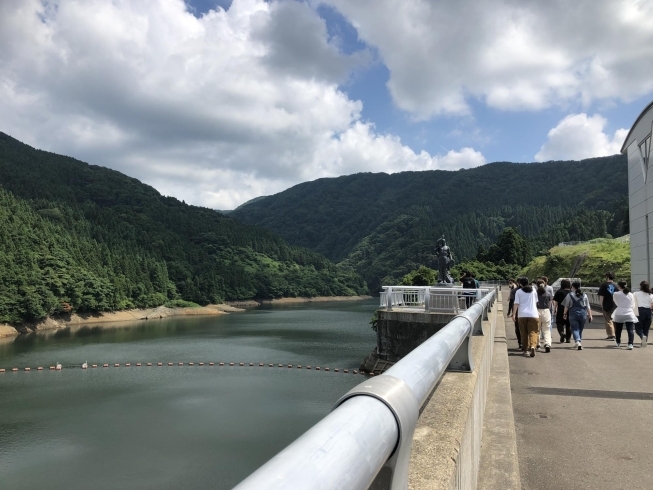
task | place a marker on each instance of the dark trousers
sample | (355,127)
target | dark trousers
(469,300)
(517,332)
(618,327)
(642,327)
(564,328)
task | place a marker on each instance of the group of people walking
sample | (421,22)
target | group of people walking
(534,305)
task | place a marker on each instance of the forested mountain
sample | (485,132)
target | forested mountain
(79,237)
(384,226)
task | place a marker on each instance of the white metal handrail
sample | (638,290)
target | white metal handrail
(430,298)
(592,293)
(372,426)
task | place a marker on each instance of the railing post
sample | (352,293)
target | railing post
(389,299)
(427,298)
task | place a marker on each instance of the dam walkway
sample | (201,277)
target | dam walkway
(583,419)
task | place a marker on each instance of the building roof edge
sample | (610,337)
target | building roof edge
(646,109)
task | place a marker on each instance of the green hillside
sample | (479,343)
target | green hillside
(385,226)
(79,237)
(587,261)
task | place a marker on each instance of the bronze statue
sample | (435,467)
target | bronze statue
(445,262)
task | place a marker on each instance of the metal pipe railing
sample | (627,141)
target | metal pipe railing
(367,437)
(430,298)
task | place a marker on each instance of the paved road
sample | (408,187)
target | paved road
(584,419)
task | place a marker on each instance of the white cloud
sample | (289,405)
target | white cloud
(214,110)
(579,136)
(511,55)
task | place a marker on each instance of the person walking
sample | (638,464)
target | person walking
(624,314)
(549,289)
(577,311)
(544,300)
(643,303)
(512,311)
(562,323)
(547,286)
(606,291)
(526,308)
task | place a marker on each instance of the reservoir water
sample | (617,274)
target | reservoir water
(174,427)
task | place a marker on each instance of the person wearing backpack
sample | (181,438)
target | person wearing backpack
(564,328)
(606,291)
(578,311)
(624,314)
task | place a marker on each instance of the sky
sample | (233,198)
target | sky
(216,102)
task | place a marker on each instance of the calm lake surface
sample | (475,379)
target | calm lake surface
(174,427)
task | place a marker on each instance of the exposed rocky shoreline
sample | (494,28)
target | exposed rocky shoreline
(282,301)
(62,321)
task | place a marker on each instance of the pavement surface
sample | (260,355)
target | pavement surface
(584,419)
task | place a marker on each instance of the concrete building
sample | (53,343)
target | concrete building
(637,148)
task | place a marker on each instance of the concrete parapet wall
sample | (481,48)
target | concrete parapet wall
(446,447)
(399,332)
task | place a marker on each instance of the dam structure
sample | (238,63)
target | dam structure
(461,408)
(420,423)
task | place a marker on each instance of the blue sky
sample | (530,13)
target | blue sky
(219,101)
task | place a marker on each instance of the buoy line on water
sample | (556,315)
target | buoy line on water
(85,365)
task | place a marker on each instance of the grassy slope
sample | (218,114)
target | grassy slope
(601,255)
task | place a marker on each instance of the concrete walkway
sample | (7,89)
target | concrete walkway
(584,419)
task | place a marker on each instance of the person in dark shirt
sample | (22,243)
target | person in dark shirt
(564,328)
(544,299)
(511,307)
(606,291)
(468,282)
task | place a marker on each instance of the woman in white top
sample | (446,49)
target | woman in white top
(529,319)
(624,314)
(643,303)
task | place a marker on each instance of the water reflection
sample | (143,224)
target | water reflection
(172,427)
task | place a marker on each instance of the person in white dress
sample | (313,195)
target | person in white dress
(624,314)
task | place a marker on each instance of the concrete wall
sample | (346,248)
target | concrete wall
(638,147)
(447,445)
(399,332)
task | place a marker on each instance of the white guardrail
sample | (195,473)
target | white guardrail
(367,437)
(592,293)
(430,298)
